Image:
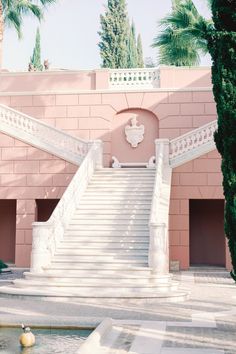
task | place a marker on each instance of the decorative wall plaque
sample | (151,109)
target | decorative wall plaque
(134,132)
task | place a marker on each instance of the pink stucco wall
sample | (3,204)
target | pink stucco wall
(27,174)
(91,112)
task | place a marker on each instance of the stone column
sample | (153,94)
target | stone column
(159,239)
(159,249)
(99,151)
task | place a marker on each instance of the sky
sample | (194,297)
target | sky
(69,33)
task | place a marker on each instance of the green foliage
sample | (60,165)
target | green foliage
(114,35)
(183,35)
(222,47)
(15,10)
(118,44)
(140,61)
(35,60)
(132,60)
(2,265)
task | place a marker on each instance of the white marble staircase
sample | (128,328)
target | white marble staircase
(108,235)
(104,252)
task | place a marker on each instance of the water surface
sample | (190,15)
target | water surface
(48,341)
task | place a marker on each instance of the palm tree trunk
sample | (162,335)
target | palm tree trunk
(1,32)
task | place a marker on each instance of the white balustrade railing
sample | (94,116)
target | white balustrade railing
(134,78)
(158,258)
(193,144)
(42,136)
(47,235)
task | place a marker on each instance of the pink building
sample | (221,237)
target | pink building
(37,163)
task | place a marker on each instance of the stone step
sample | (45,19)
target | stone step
(126,177)
(126,199)
(120,189)
(103,252)
(109,217)
(113,212)
(77,287)
(142,296)
(108,227)
(118,195)
(114,204)
(118,263)
(80,282)
(107,268)
(114,207)
(77,256)
(111,235)
(111,222)
(96,280)
(104,240)
(141,181)
(100,244)
(121,184)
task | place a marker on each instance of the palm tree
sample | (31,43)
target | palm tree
(13,11)
(183,36)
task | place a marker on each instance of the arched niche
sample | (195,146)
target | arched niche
(121,148)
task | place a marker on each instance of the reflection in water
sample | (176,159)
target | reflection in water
(26,351)
(48,341)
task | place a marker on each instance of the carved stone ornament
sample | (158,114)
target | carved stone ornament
(134,133)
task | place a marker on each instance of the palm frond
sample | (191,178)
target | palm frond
(182,35)
(15,10)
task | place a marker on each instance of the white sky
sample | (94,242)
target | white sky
(69,33)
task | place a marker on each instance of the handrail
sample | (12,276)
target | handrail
(47,235)
(192,144)
(42,135)
(135,78)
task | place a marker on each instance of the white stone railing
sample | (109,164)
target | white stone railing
(193,144)
(158,258)
(47,235)
(42,136)
(134,78)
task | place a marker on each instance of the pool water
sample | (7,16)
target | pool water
(48,341)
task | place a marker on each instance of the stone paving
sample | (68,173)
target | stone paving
(204,324)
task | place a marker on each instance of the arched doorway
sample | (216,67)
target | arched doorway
(121,148)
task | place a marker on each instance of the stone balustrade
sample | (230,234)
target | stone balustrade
(42,136)
(133,78)
(192,144)
(47,235)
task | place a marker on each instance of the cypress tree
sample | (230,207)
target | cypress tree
(140,61)
(114,35)
(35,60)
(132,48)
(222,47)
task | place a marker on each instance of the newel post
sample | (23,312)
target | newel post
(158,258)
(40,254)
(99,153)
